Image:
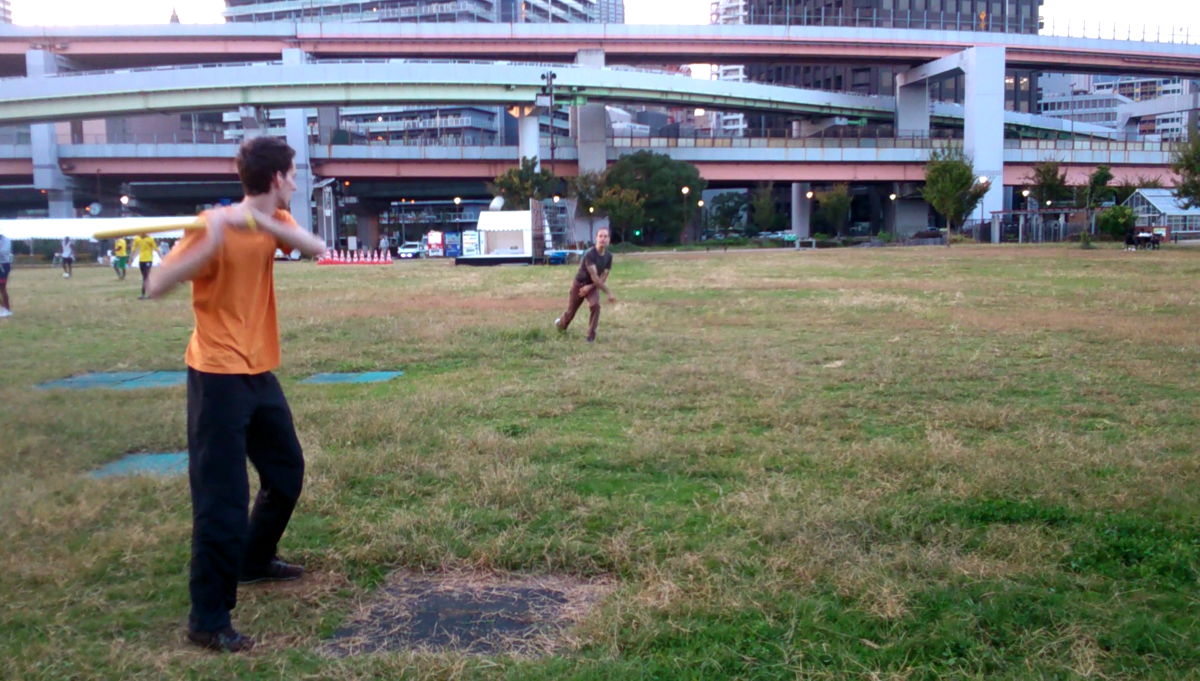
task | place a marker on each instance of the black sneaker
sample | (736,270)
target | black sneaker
(227,640)
(277,571)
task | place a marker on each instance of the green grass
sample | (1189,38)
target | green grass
(964,463)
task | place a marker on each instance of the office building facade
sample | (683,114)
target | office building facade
(5,12)
(729,13)
(423,11)
(998,16)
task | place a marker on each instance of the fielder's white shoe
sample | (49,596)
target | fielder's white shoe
(5,312)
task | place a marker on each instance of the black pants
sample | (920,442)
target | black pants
(232,417)
(145,268)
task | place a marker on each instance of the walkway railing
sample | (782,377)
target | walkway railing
(787,16)
(764,138)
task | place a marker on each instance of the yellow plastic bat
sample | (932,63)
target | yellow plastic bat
(136,226)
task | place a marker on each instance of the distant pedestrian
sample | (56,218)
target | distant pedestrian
(143,246)
(68,256)
(6,258)
(120,261)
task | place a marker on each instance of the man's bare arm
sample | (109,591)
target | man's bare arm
(309,244)
(598,282)
(175,271)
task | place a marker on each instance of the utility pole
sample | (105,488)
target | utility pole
(548,90)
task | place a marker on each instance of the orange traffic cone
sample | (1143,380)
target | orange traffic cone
(389,256)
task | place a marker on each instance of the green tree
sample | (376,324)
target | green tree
(586,189)
(763,206)
(1098,190)
(951,186)
(729,210)
(1123,191)
(660,181)
(626,209)
(834,205)
(1185,163)
(519,185)
(1116,221)
(1049,183)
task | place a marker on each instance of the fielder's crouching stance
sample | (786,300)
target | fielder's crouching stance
(235,406)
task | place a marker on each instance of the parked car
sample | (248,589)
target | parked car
(409,250)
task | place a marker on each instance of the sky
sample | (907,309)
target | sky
(1184,14)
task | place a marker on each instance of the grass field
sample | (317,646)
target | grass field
(964,463)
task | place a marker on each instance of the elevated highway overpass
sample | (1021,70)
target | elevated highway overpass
(130,46)
(720,161)
(52,88)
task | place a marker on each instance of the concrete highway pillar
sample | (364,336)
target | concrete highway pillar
(253,123)
(983,128)
(328,122)
(801,210)
(43,140)
(912,109)
(589,123)
(801,204)
(529,134)
(296,129)
(889,208)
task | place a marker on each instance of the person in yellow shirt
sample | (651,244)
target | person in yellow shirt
(143,247)
(120,261)
(236,409)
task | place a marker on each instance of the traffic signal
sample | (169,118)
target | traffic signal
(637,232)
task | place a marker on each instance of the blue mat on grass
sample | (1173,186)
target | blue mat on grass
(145,464)
(364,377)
(120,380)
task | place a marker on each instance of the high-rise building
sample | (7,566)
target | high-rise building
(5,12)
(995,16)
(1101,99)
(729,13)
(443,11)
(611,12)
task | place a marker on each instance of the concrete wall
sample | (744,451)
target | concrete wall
(912,216)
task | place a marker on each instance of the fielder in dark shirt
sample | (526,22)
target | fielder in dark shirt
(591,278)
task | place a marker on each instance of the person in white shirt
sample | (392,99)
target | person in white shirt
(383,244)
(6,258)
(68,256)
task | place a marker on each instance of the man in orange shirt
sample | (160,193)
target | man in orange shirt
(236,408)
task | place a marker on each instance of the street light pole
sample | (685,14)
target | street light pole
(685,191)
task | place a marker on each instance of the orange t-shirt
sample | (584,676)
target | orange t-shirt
(233,298)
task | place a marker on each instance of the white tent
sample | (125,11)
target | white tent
(83,228)
(506,233)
